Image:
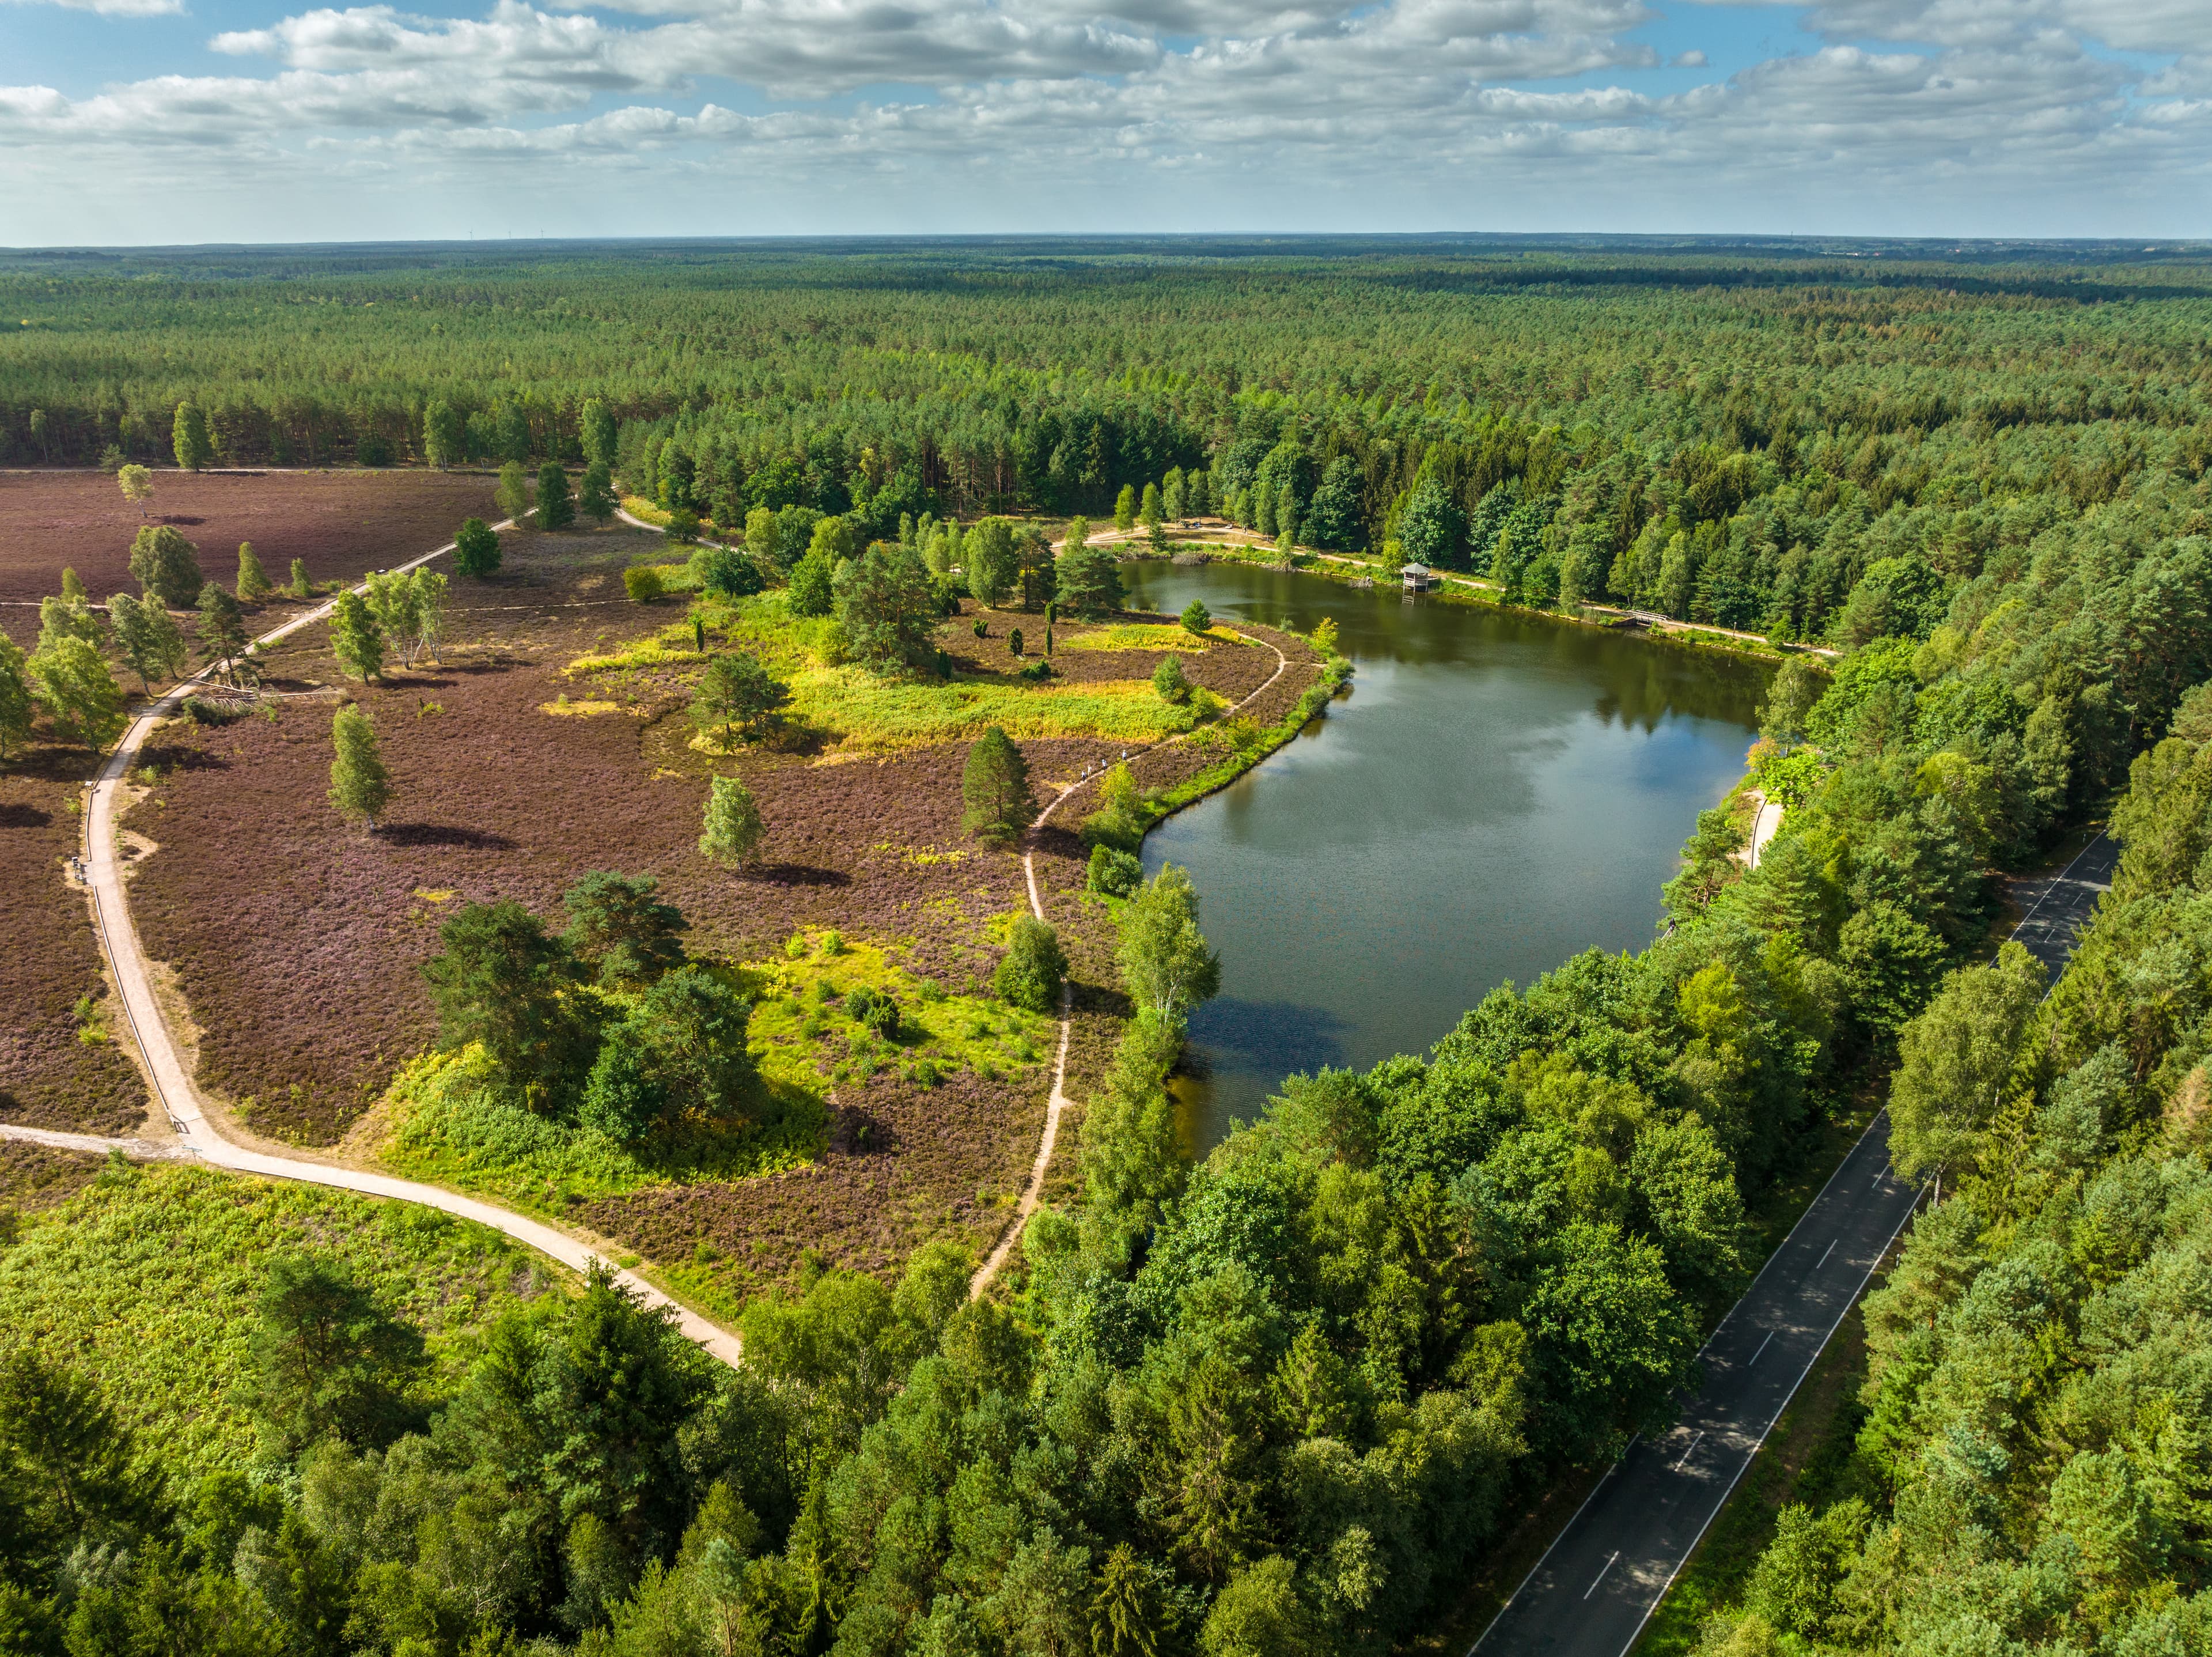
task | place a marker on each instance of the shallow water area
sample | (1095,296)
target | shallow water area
(1493,792)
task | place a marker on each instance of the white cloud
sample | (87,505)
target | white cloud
(1037,113)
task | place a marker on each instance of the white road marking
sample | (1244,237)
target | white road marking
(1762,1348)
(1824,1258)
(1601,1570)
(1686,1454)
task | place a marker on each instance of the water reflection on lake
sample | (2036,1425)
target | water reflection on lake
(1495,793)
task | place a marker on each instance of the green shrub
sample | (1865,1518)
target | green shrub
(875,1010)
(1196,618)
(1168,679)
(1030,976)
(643,583)
(1114,872)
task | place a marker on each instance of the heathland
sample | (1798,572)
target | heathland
(1290,1398)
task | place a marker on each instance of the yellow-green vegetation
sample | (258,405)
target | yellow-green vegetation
(147,1279)
(645,511)
(806,1034)
(451,1124)
(561,708)
(861,712)
(1148,636)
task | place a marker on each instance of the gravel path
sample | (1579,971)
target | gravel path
(198,1135)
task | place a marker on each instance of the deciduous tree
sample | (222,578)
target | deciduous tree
(147,637)
(989,551)
(1165,963)
(1029,975)
(359,785)
(138,485)
(476,548)
(732,829)
(189,436)
(356,639)
(253,582)
(81,697)
(166,566)
(15,700)
(512,495)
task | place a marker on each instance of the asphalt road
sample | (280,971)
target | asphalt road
(1592,1592)
(2058,904)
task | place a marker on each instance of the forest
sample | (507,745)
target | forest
(1283,1400)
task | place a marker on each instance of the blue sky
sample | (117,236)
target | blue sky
(207,121)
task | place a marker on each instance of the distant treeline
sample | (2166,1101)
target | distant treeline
(1737,439)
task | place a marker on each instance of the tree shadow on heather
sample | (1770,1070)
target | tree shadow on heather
(439,834)
(23,817)
(795,874)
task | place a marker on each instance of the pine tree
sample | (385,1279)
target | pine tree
(732,829)
(556,508)
(223,628)
(598,433)
(1125,510)
(597,495)
(995,787)
(189,439)
(1149,513)
(356,639)
(73,588)
(476,548)
(301,587)
(253,582)
(359,785)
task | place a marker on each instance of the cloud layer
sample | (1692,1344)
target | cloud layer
(1954,117)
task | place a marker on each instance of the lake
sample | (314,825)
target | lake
(1493,792)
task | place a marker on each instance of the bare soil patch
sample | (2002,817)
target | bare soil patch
(50,1077)
(341,523)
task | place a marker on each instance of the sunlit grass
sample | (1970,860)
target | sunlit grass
(147,1280)
(1147,635)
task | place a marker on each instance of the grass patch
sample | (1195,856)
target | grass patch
(561,708)
(644,510)
(865,713)
(804,1035)
(1147,635)
(452,1125)
(861,712)
(147,1280)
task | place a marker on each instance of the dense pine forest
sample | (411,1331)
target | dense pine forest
(1286,1400)
(1734,440)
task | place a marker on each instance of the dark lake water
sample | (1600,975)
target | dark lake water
(1494,793)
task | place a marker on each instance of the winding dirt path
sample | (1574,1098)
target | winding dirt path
(199,1134)
(1033,1190)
